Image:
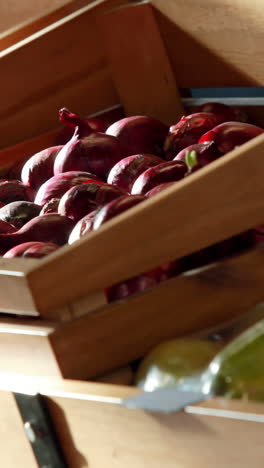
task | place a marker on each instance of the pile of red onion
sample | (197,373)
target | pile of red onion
(96,170)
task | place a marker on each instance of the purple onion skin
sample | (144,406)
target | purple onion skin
(229,135)
(50,207)
(158,189)
(140,134)
(86,126)
(223,111)
(74,120)
(15,170)
(57,185)
(82,199)
(41,250)
(31,249)
(198,155)
(48,228)
(19,213)
(132,286)
(170,171)
(83,227)
(15,190)
(257,235)
(188,131)
(97,153)
(6,228)
(126,171)
(114,208)
(39,167)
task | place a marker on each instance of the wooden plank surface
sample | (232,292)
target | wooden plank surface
(117,334)
(15,26)
(64,75)
(95,434)
(125,331)
(15,12)
(94,430)
(14,446)
(118,250)
(139,64)
(213,43)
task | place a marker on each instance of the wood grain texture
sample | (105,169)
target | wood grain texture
(14,446)
(95,434)
(70,70)
(95,431)
(139,64)
(127,330)
(213,43)
(118,250)
(25,348)
(122,376)
(21,26)
(14,12)
(117,334)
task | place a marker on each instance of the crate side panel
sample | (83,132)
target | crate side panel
(70,70)
(126,330)
(132,437)
(213,43)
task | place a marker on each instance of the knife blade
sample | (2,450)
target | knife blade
(165,400)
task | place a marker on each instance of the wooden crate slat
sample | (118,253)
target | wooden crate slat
(69,69)
(139,64)
(127,330)
(213,43)
(38,21)
(139,438)
(172,224)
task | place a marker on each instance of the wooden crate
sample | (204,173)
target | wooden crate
(95,430)
(77,316)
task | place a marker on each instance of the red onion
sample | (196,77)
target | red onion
(224,112)
(132,286)
(14,190)
(6,228)
(60,183)
(170,171)
(86,125)
(114,208)
(198,155)
(82,199)
(97,153)
(50,207)
(83,227)
(140,134)
(158,189)
(188,131)
(126,171)
(229,135)
(19,213)
(39,167)
(31,249)
(15,170)
(47,228)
